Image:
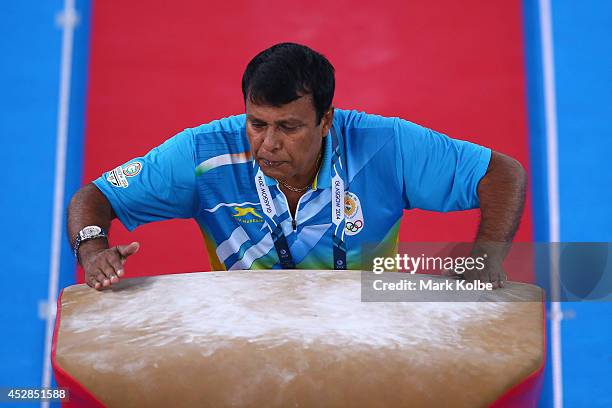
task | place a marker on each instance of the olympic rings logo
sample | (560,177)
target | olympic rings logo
(354,226)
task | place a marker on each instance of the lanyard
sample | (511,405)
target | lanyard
(337,211)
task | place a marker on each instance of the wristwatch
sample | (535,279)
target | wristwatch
(87,233)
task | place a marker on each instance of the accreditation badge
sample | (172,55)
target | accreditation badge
(354,221)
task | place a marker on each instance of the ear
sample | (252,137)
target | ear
(327,120)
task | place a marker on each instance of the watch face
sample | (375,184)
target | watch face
(90,231)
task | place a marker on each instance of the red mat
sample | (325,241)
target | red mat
(158,67)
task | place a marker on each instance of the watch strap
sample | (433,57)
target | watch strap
(79,240)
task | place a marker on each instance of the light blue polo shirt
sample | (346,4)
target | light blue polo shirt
(207,173)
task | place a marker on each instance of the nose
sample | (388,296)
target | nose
(272,140)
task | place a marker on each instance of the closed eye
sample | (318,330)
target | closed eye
(289,129)
(258,125)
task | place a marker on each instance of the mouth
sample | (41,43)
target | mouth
(269,163)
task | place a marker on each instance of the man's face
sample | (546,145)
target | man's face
(286,140)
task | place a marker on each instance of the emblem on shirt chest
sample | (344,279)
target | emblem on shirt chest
(354,221)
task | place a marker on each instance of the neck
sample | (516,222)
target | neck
(308,177)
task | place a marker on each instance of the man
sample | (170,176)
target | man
(295,183)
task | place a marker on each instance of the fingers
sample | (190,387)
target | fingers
(493,274)
(449,273)
(116,263)
(106,267)
(93,282)
(107,273)
(127,250)
(496,276)
(102,277)
(95,279)
(110,272)
(501,278)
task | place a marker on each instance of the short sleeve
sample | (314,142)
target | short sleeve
(158,186)
(439,173)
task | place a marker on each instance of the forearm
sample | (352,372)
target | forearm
(502,199)
(103,266)
(89,206)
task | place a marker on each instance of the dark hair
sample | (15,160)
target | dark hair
(286,72)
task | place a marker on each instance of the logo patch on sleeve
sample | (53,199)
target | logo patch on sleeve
(132,169)
(117,178)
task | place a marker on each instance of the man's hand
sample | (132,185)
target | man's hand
(488,255)
(493,272)
(104,266)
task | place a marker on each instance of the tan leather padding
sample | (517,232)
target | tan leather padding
(293,339)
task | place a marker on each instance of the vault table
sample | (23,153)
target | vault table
(293,338)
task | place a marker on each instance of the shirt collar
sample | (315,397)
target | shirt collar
(270,181)
(323,177)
